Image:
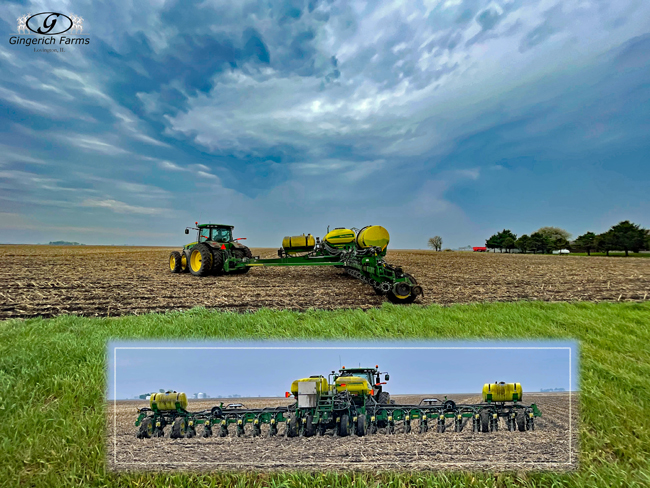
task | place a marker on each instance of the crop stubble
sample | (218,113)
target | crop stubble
(546,448)
(99,281)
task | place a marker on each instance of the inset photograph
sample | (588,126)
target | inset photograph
(338,406)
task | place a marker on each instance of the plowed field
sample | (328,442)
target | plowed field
(99,281)
(551,446)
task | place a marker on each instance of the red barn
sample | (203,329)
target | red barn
(480,249)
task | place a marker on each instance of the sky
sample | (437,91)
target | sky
(456,118)
(267,369)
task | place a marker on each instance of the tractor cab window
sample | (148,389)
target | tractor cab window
(221,235)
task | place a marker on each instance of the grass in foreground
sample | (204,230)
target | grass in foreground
(53,384)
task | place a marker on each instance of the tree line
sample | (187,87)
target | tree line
(624,236)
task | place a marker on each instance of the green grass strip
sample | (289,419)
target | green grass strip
(53,387)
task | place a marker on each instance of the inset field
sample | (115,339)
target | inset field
(552,446)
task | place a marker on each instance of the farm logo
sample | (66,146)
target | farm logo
(46,25)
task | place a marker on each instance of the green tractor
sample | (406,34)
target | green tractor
(371,376)
(360,252)
(214,245)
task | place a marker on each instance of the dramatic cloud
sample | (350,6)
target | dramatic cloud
(443,117)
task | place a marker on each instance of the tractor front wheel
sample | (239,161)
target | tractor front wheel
(175,262)
(384,398)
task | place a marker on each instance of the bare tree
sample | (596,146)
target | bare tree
(435,243)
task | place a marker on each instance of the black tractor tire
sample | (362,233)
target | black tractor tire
(521,421)
(207,430)
(190,432)
(400,300)
(146,428)
(361,425)
(201,260)
(310,428)
(178,428)
(383,398)
(344,425)
(292,427)
(175,263)
(484,418)
(240,254)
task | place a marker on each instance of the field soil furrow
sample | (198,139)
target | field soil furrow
(100,281)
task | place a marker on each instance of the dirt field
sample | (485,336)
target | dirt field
(101,281)
(548,447)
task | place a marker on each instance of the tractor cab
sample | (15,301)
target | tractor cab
(371,375)
(213,233)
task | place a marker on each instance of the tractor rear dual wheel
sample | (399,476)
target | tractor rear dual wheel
(203,260)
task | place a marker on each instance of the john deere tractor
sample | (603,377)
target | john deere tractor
(360,252)
(365,379)
(213,247)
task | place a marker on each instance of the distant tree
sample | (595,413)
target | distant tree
(628,236)
(435,243)
(559,243)
(492,242)
(509,243)
(605,242)
(555,234)
(498,241)
(586,242)
(523,243)
(540,243)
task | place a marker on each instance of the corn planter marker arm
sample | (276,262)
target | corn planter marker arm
(361,253)
(344,404)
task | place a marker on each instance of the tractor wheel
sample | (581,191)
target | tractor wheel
(485,421)
(344,426)
(400,299)
(201,260)
(178,428)
(175,263)
(310,429)
(240,254)
(185,261)
(146,428)
(191,432)
(521,421)
(292,427)
(441,427)
(384,398)
(361,425)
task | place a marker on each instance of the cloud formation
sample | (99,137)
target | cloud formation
(429,117)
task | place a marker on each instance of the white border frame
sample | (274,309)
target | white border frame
(239,466)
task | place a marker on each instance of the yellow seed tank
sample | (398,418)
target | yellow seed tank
(321,384)
(339,237)
(502,392)
(373,236)
(167,401)
(294,244)
(354,384)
